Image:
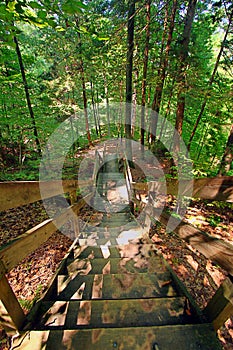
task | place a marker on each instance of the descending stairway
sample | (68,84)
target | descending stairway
(115,291)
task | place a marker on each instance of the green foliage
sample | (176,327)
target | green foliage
(54,37)
(214,220)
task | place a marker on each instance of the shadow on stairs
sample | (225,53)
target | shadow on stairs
(115,292)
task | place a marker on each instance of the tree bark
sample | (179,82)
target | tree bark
(181,78)
(144,77)
(129,65)
(83,87)
(94,109)
(107,101)
(227,158)
(129,77)
(162,72)
(27,94)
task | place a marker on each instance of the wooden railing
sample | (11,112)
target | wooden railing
(15,194)
(220,307)
(129,182)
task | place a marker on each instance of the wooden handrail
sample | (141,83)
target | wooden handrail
(217,188)
(129,180)
(18,193)
(28,242)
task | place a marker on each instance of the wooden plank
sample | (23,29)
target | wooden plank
(185,337)
(116,265)
(212,248)
(113,313)
(11,313)
(217,188)
(116,286)
(18,193)
(25,244)
(220,307)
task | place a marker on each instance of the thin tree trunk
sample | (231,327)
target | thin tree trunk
(210,82)
(83,86)
(144,77)
(181,78)
(162,72)
(94,109)
(107,102)
(134,100)
(129,73)
(97,112)
(129,65)
(27,94)
(201,143)
(227,158)
(120,126)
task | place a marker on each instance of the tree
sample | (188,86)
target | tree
(162,71)
(223,45)
(227,158)
(181,76)
(129,76)
(27,94)
(145,66)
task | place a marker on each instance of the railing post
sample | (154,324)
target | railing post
(12,316)
(220,307)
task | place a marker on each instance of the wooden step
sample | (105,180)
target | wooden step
(180,337)
(138,264)
(116,286)
(112,313)
(130,250)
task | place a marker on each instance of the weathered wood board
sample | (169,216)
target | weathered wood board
(113,313)
(18,193)
(116,286)
(185,337)
(217,188)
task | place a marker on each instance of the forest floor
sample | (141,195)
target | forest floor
(201,277)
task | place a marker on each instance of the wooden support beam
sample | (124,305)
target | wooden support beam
(217,188)
(18,193)
(12,316)
(220,307)
(25,244)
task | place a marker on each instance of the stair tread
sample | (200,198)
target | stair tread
(113,313)
(129,250)
(137,264)
(185,337)
(116,286)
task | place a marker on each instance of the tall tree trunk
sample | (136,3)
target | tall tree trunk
(181,77)
(227,158)
(83,86)
(27,94)
(144,76)
(120,123)
(134,101)
(162,72)
(94,109)
(107,101)
(129,73)
(98,112)
(210,81)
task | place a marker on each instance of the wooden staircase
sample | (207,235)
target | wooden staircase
(121,297)
(113,291)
